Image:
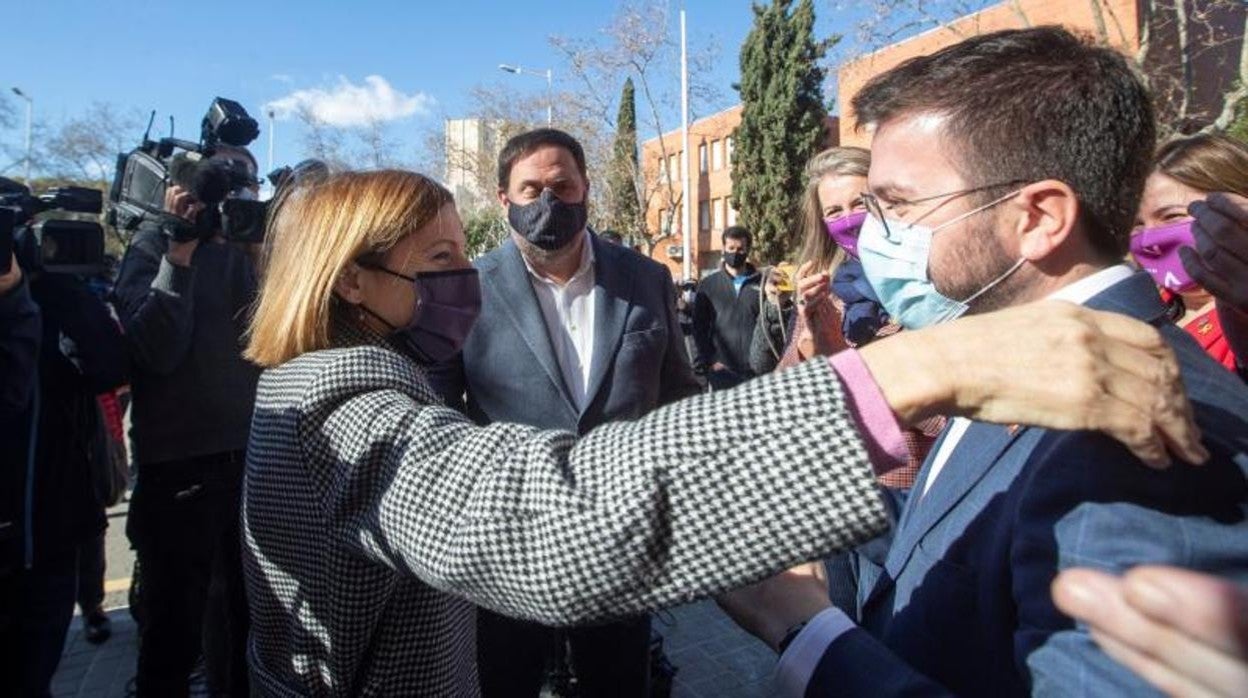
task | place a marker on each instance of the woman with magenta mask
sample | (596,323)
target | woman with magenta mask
(1188,170)
(831,214)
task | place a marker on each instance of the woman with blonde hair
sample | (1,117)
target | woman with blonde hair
(1188,169)
(832,212)
(374,516)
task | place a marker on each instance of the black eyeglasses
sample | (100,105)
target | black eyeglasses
(877,210)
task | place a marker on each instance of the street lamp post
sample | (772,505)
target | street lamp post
(30,106)
(550,94)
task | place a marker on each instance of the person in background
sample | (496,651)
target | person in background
(47,459)
(1187,170)
(775,319)
(686,297)
(183,302)
(574,333)
(725,313)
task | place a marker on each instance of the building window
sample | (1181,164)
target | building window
(702,158)
(732,214)
(717,207)
(717,155)
(704,215)
(665,223)
(662,168)
(728,148)
(671,165)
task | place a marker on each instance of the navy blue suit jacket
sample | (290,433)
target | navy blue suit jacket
(508,370)
(962,605)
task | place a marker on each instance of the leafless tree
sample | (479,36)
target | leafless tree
(85,147)
(639,42)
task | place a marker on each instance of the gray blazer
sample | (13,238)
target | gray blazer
(508,368)
(373,516)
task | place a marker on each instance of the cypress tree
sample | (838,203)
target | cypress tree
(782,122)
(625,210)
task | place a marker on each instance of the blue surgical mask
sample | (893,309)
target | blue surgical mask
(896,268)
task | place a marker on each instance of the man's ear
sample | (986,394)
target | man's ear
(1049,209)
(347,285)
(502,198)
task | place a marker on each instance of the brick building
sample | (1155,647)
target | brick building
(1213,40)
(662,160)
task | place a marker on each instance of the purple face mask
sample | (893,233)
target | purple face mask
(1157,251)
(844,230)
(447,306)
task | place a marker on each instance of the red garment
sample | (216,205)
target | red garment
(111,408)
(1207,329)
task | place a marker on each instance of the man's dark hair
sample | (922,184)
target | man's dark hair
(736,232)
(611,236)
(524,144)
(1034,104)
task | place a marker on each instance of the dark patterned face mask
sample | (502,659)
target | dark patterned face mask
(548,221)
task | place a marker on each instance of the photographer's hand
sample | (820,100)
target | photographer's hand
(10,279)
(181,203)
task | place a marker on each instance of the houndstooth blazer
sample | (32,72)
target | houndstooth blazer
(374,517)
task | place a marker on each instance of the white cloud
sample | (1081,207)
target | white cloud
(349,104)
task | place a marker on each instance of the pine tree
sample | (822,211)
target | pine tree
(625,211)
(782,122)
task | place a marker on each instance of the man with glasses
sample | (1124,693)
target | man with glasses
(1006,169)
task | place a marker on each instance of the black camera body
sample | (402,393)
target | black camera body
(143,174)
(50,245)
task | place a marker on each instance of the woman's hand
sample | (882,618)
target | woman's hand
(1185,633)
(1050,364)
(814,300)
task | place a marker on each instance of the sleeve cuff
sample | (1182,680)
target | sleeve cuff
(173,279)
(886,446)
(800,660)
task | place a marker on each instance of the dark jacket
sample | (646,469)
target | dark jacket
(193,392)
(771,336)
(48,505)
(724,320)
(509,369)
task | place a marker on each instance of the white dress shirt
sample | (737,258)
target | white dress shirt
(568,310)
(803,654)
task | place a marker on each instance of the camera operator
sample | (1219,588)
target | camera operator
(19,342)
(66,353)
(183,294)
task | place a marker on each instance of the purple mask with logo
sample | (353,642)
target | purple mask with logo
(844,230)
(1157,251)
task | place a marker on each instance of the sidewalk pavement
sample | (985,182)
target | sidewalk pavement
(712,657)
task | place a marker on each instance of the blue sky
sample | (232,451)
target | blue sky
(175,56)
